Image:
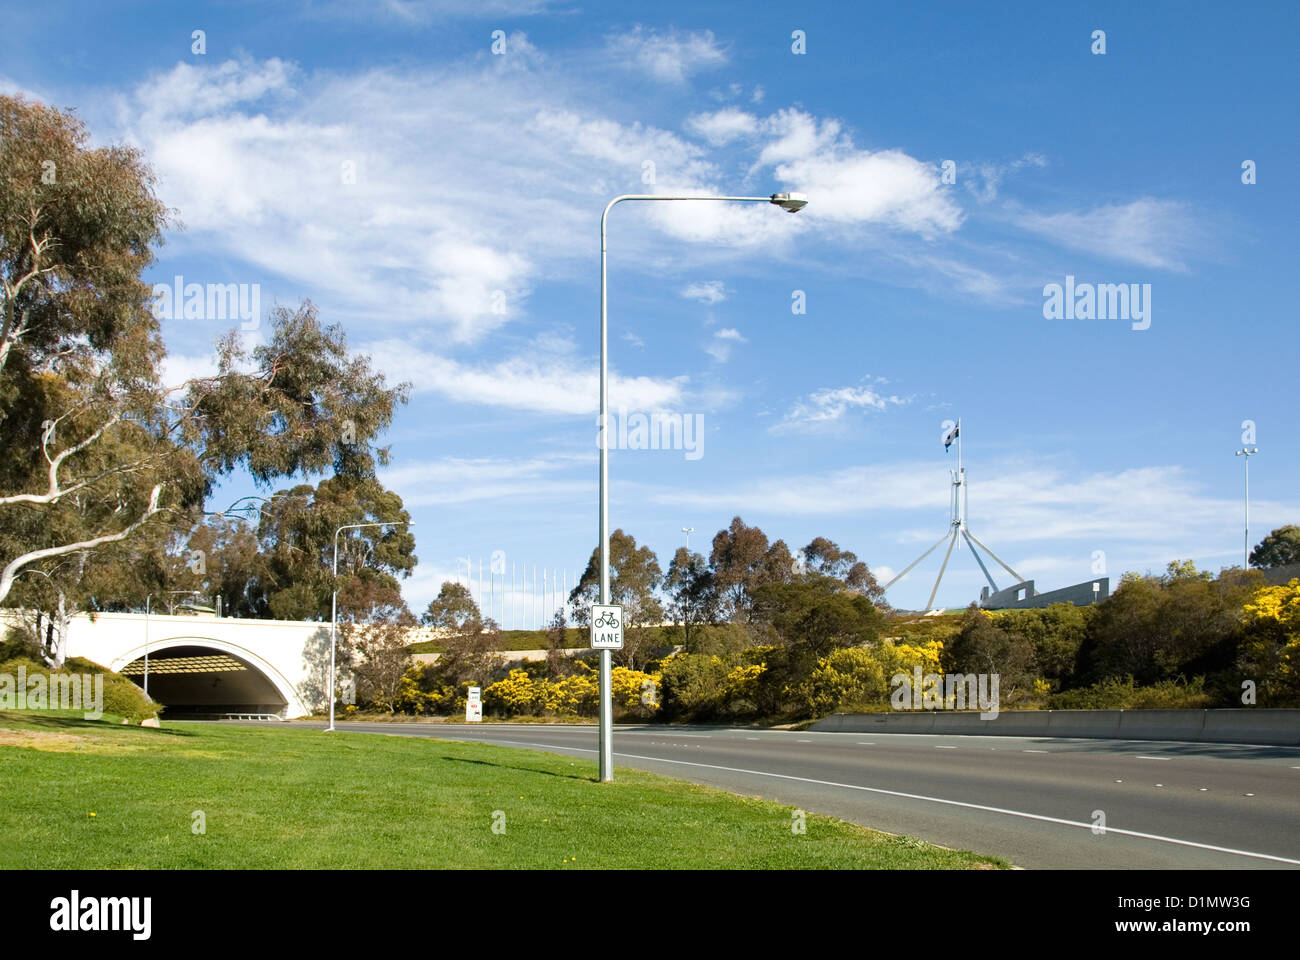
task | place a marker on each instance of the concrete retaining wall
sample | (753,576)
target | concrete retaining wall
(1246,725)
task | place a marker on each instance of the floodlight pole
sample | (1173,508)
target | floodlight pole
(1247,452)
(334,598)
(791,203)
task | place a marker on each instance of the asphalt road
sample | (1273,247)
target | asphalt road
(1033,801)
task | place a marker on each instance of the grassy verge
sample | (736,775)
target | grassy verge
(575,638)
(90,794)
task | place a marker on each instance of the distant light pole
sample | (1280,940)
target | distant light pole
(1247,452)
(147,601)
(688,531)
(334,598)
(791,203)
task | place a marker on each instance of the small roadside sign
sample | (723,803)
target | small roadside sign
(474,705)
(606,626)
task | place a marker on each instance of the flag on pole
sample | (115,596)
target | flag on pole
(952,435)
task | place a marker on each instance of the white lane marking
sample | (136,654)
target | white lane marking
(916,796)
(872,743)
(1154,758)
(803,741)
(753,738)
(941,747)
(1033,751)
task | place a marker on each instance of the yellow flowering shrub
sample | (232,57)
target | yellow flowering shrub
(573,695)
(903,657)
(742,683)
(1270,649)
(517,693)
(635,690)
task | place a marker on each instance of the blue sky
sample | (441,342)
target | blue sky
(465,256)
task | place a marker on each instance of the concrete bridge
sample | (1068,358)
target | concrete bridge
(203,664)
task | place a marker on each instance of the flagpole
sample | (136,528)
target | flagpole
(961,475)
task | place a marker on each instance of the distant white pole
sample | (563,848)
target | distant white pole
(147,601)
(1247,452)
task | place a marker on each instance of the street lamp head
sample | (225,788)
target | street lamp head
(790,202)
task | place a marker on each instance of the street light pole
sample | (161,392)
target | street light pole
(791,203)
(688,531)
(1247,452)
(334,599)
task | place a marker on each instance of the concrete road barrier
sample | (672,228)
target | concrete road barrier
(1084,723)
(1243,725)
(1249,725)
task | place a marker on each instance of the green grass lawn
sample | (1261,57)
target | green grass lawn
(92,794)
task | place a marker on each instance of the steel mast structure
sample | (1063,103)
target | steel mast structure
(956,527)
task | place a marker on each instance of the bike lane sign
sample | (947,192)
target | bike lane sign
(606,627)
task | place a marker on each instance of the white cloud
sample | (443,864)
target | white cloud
(849,185)
(465,480)
(722,126)
(987,176)
(708,292)
(405,13)
(438,193)
(1128,514)
(722,342)
(670,57)
(538,382)
(1147,231)
(828,405)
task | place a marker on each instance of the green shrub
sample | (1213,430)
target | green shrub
(18,643)
(1126,695)
(122,698)
(692,686)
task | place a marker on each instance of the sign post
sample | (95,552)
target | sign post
(606,635)
(474,706)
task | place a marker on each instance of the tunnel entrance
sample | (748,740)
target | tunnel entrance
(193,681)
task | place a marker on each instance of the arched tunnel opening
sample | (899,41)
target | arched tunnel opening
(199,681)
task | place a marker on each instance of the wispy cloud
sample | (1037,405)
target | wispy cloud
(1147,231)
(671,56)
(722,126)
(465,480)
(823,407)
(709,291)
(719,346)
(539,382)
(1135,512)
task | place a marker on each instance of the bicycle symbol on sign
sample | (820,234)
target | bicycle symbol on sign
(607,619)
